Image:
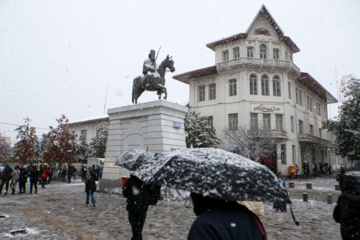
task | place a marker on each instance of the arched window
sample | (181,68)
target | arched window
(276,86)
(265,85)
(253,84)
(263,51)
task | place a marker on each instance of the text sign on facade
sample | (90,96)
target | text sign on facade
(263,108)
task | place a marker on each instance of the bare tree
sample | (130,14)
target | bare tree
(256,144)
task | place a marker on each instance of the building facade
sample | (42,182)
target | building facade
(256,83)
(86,129)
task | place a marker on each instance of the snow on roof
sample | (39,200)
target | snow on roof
(91,119)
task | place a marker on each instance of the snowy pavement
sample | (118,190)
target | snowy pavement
(59,212)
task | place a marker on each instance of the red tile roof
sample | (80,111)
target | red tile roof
(308,81)
(185,77)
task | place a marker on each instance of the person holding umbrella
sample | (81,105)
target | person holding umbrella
(139,196)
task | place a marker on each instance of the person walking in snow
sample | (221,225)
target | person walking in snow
(5,179)
(90,185)
(139,196)
(15,175)
(34,177)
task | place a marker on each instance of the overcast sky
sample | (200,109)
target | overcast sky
(58,56)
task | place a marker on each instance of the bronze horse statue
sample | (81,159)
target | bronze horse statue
(153,82)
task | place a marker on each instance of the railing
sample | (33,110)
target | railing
(258,61)
(279,133)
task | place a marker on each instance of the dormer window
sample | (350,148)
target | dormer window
(226,55)
(263,51)
(250,52)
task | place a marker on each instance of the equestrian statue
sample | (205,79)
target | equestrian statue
(153,78)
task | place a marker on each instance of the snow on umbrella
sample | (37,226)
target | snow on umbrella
(133,158)
(215,173)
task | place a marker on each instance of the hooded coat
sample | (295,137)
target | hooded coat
(225,220)
(347,210)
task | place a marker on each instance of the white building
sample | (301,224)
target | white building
(88,128)
(255,81)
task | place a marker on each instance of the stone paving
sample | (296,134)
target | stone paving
(59,212)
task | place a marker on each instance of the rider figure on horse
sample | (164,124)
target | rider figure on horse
(149,68)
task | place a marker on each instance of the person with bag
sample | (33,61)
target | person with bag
(90,185)
(44,176)
(139,196)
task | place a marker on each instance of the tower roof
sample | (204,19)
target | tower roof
(263,11)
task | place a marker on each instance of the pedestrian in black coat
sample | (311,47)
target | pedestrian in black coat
(5,179)
(23,179)
(70,173)
(224,220)
(34,177)
(139,196)
(347,210)
(90,185)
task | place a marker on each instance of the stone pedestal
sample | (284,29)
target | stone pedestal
(157,126)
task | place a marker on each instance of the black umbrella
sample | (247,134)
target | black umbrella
(211,172)
(133,159)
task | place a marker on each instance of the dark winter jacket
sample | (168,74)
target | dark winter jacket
(34,175)
(347,210)
(139,195)
(220,220)
(7,173)
(23,175)
(90,183)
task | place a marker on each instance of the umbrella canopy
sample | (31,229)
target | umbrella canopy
(133,159)
(211,172)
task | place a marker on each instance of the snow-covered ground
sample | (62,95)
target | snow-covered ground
(59,212)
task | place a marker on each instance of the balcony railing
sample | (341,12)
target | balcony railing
(279,133)
(258,61)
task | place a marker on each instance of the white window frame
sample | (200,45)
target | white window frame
(250,51)
(277,86)
(236,51)
(201,90)
(253,84)
(265,88)
(225,55)
(233,121)
(232,87)
(263,51)
(212,91)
